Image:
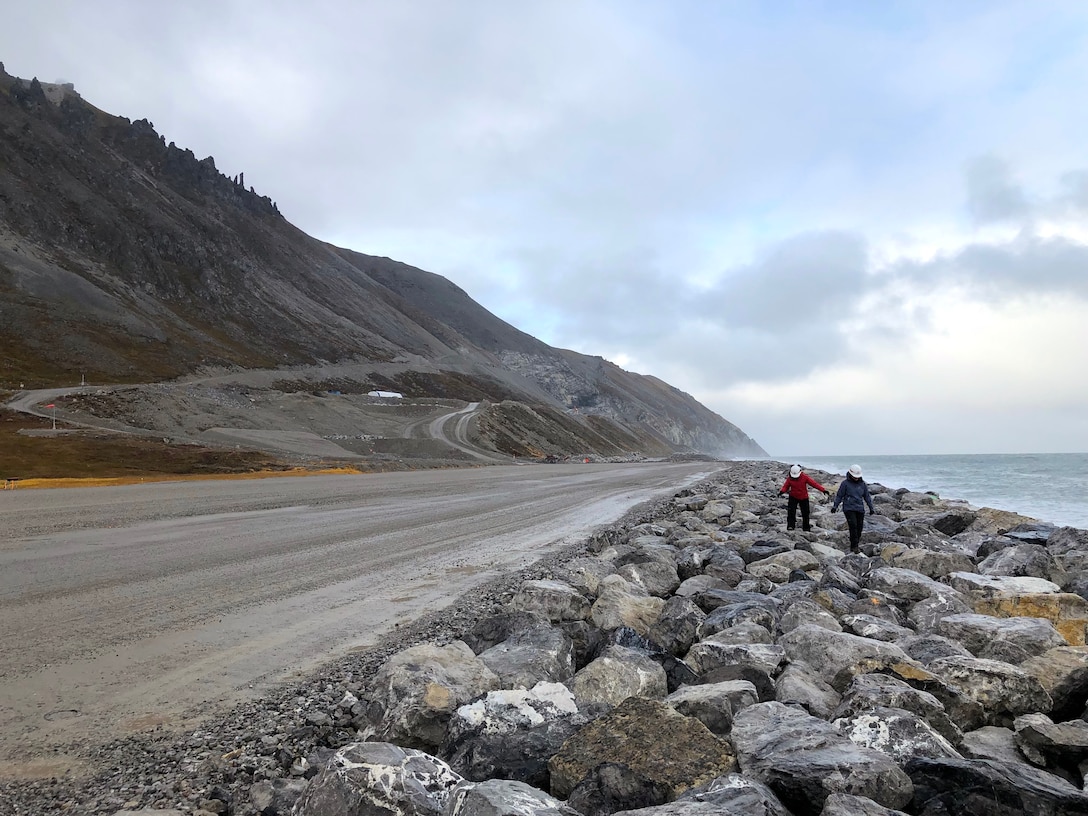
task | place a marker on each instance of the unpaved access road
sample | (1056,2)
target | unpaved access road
(127,608)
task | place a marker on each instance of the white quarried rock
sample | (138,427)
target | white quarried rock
(519,707)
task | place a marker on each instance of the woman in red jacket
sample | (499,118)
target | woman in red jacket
(796,485)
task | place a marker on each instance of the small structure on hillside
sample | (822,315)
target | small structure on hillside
(385,394)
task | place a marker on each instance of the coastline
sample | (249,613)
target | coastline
(285,740)
(1048,487)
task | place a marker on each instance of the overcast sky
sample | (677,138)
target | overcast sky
(847,227)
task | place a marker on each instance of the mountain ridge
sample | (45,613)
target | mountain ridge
(127,259)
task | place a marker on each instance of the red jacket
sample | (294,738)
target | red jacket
(798,488)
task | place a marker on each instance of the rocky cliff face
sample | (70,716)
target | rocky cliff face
(127,258)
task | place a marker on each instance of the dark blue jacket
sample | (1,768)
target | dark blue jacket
(851,494)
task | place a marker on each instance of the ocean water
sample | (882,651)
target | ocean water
(1050,487)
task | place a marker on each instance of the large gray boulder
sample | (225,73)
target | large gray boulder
(927,647)
(830,653)
(1063,672)
(804,759)
(926,615)
(804,611)
(1013,640)
(721,650)
(934,564)
(875,628)
(531,656)
(1003,690)
(676,627)
(713,704)
(845,804)
(984,787)
(992,742)
(621,603)
(760,610)
(657,577)
(870,691)
(800,685)
(905,584)
(1058,747)
(585,574)
(413,695)
(615,675)
(1032,560)
(728,795)
(554,600)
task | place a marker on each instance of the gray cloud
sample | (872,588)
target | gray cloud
(992,194)
(807,279)
(1028,266)
(1074,190)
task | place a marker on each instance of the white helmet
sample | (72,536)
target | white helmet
(855,471)
(795,471)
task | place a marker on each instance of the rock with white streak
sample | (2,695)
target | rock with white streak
(869,691)
(504,797)
(720,650)
(413,695)
(511,733)
(379,779)
(899,733)
(657,577)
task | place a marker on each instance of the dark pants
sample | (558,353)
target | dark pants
(855,520)
(791,513)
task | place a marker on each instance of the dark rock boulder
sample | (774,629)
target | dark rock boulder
(982,787)
(804,759)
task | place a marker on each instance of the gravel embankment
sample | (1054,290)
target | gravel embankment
(287,733)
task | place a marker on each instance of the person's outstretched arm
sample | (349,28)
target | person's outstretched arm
(840,494)
(817,485)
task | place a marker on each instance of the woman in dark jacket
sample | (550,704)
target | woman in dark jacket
(853,495)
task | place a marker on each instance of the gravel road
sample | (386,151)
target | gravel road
(130,608)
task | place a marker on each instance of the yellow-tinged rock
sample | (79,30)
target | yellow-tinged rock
(1068,612)
(989,520)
